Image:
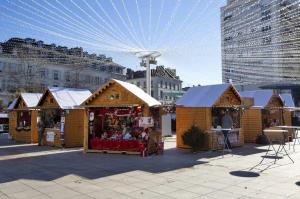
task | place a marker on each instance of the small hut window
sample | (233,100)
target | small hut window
(51,118)
(23,119)
(218,113)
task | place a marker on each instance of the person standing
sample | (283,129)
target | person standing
(227,123)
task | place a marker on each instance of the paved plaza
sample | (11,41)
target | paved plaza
(29,171)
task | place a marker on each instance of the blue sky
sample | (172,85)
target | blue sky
(186,32)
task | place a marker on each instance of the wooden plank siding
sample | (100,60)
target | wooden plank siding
(188,116)
(251,124)
(29,136)
(26,136)
(12,125)
(108,98)
(228,99)
(74,128)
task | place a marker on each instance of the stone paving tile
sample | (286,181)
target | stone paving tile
(105,194)
(52,189)
(64,194)
(182,194)
(84,189)
(143,194)
(264,195)
(225,195)
(25,194)
(198,189)
(144,184)
(125,189)
(14,188)
(176,174)
(81,197)
(180,184)
(162,189)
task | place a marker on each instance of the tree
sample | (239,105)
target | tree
(194,137)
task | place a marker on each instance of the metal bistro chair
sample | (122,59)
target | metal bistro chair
(277,137)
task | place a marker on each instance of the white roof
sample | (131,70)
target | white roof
(261,97)
(150,101)
(202,96)
(68,98)
(12,104)
(288,100)
(31,99)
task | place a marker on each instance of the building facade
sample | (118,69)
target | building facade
(166,86)
(260,41)
(31,66)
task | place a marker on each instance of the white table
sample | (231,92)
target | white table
(279,138)
(296,130)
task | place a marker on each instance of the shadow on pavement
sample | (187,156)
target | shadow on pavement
(48,163)
(246,174)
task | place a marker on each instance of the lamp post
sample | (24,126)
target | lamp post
(148,58)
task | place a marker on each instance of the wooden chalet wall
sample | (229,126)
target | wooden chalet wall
(229,98)
(287,115)
(48,101)
(251,124)
(74,122)
(12,125)
(188,116)
(74,128)
(30,136)
(202,116)
(114,95)
(252,119)
(25,136)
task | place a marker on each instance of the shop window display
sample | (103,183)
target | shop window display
(272,118)
(124,129)
(218,113)
(51,118)
(23,120)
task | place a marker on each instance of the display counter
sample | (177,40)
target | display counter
(215,138)
(52,137)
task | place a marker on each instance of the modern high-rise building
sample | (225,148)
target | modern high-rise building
(261,41)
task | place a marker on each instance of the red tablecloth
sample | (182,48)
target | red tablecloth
(116,145)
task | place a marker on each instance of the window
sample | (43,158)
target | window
(266,40)
(227,17)
(97,80)
(166,84)
(13,67)
(87,79)
(265,28)
(228,39)
(67,76)
(138,84)
(29,69)
(144,84)
(42,73)
(55,75)
(1,66)
(103,68)
(23,119)
(161,94)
